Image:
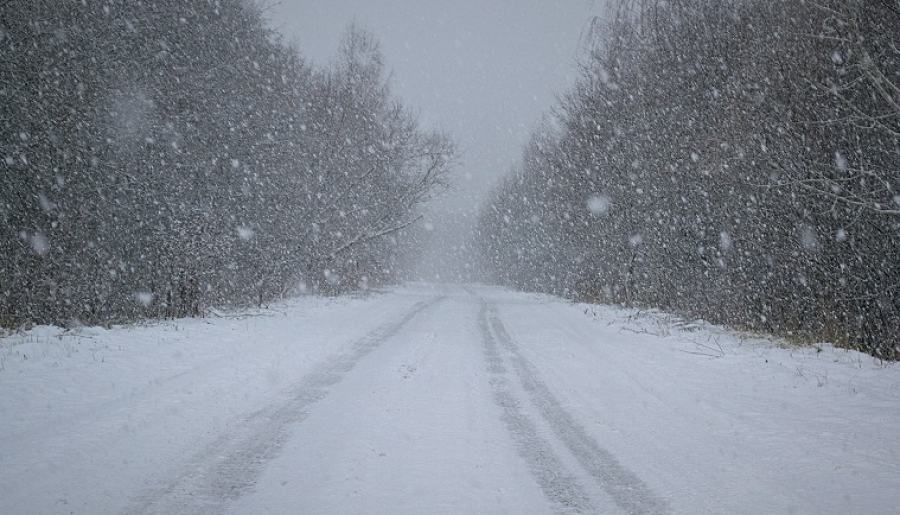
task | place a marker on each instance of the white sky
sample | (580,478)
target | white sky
(483,70)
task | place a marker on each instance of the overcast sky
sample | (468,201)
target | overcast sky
(483,70)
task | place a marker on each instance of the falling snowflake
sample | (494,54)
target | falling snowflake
(725,241)
(39,243)
(598,204)
(245,233)
(808,238)
(840,162)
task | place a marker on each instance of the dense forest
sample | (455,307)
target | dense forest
(157,158)
(736,160)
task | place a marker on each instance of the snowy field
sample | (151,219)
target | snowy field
(442,399)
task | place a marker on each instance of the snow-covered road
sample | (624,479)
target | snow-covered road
(441,399)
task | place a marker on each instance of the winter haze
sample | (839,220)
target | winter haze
(627,257)
(484,71)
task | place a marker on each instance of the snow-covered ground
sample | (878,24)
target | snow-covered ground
(442,399)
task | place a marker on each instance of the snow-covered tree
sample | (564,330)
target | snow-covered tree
(158,157)
(731,160)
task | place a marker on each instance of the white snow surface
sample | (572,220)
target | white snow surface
(442,399)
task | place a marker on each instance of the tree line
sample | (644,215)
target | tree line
(735,160)
(160,157)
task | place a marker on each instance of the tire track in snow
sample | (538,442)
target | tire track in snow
(625,488)
(228,468)
(558,484)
